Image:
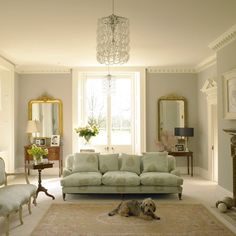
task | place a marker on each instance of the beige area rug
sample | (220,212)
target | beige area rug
(92,220)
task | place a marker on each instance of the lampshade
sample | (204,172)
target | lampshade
(184,132)
(32,126)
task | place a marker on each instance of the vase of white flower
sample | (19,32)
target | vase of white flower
(87,132)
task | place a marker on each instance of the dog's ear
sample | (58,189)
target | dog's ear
(142,206)
(154,206)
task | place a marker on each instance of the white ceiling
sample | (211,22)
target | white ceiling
(63,32)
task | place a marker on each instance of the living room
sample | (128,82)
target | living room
(186,49)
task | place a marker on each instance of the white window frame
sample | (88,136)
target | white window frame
(78,76)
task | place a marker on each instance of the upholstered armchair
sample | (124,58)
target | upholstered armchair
(13,197)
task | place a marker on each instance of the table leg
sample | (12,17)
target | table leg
(41,188)
(188,163)
(191,164)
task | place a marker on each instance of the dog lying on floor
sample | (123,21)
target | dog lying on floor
(144,209)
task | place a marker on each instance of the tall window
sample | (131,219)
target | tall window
(114,103)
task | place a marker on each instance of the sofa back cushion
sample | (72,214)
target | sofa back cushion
(108,162)
(2,172)
(171,163)
(69,162)
(155,161)
(85,162)
(130,163)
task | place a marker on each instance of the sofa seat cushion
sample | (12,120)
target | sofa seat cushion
(160,179)
(82,179)
(120,178)
(12,196)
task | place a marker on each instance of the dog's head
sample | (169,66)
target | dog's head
(148,206)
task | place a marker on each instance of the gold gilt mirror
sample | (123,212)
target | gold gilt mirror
(172,112)
(48,111)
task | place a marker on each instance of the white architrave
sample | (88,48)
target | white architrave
(210,89)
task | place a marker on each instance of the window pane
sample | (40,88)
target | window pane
(96,103)
(121,113)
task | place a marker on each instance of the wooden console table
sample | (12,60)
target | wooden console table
(54,154)
(185,154)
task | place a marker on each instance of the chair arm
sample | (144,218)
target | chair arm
(24,174)
(67,172)
(175,172)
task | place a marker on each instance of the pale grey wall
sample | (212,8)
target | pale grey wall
(209,73)
(16,118)
(226,60)
(32,86)
(164,84)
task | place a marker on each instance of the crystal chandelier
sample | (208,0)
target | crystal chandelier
(113,39)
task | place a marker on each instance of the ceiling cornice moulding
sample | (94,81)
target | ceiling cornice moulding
(178,70)
(42,70)
(223,40)
(208,62)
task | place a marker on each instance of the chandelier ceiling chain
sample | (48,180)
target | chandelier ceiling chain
(113,39)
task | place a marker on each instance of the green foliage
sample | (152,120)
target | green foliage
(37,151)
(88,131)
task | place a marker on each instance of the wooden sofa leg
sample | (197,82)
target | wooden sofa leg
(64,196)
(180,196)
(20,215)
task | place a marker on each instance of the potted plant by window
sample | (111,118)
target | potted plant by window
(37,153)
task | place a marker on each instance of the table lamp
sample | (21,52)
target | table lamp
(184,132)
(33,126)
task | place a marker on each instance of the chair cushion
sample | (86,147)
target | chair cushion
(108,162)
(155,161)
(120,178)
(12,196)
(130,163)
(160,179)
(82,179)
(85,162)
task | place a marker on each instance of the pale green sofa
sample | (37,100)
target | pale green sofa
(124,174)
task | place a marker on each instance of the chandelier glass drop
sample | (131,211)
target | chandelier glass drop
(113,39)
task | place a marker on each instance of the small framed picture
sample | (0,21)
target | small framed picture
(40,141)
(55,140)
(179,147)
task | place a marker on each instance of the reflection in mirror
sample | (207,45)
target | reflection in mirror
(171,113)
(48,112)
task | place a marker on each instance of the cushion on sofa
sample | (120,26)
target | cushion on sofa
(120,178)
(130,163)
(85,162)
(108,162)
(155,161)
(69,161)
(82,179)
(160,179)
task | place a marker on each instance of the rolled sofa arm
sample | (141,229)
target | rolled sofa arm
(175,172)
(67,172)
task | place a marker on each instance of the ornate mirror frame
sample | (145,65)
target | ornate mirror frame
(47,99)
(171,97)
